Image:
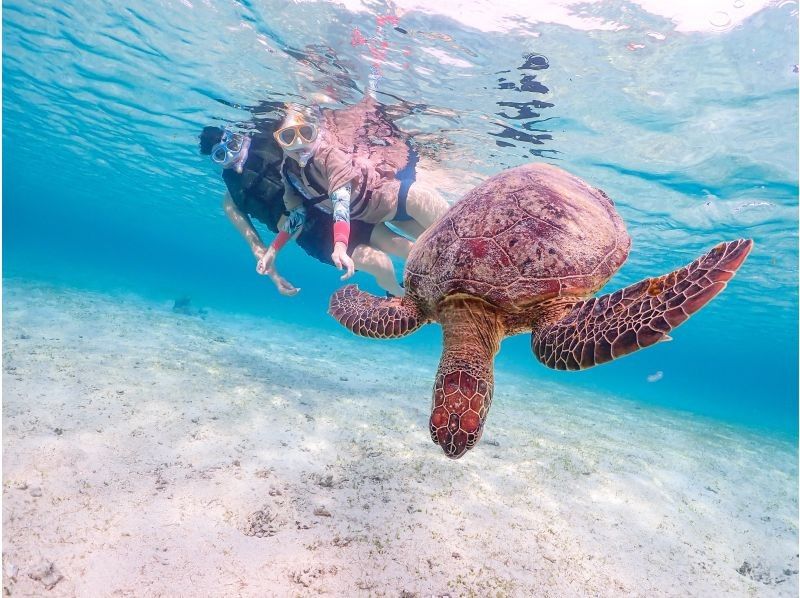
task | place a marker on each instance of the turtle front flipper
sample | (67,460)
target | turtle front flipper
(600,329)
(375,317)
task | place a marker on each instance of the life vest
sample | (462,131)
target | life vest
(304,182)
(262,160)
(258,190)
(376,152)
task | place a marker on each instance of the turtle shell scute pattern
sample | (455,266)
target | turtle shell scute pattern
(528,234)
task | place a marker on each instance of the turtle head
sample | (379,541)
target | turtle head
(462,393)
(460,405)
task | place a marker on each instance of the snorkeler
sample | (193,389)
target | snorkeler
(251,171)
(353,180)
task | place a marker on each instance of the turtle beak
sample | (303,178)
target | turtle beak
(455,443)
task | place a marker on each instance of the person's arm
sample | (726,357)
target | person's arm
(266,265)
(289,227)
(341,230)
(244,225)
(296,219)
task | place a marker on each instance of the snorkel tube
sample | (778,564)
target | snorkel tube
(304,154)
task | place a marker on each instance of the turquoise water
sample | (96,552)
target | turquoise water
(691,126)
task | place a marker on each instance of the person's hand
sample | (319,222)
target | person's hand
(266,267)
(266,262)
(342,260)
(284,286)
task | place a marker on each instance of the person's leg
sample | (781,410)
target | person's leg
(387,240)
(380,265)
(425,205)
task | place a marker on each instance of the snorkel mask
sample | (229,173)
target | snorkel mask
(231,151)
(298,137)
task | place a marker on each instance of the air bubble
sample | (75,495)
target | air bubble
(738,3)
(720,19)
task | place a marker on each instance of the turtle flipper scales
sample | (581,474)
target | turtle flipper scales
(603,328)
(375,317)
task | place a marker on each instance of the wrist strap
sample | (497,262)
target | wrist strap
(281,240)
(341,232)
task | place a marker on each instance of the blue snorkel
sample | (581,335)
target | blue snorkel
(231,151)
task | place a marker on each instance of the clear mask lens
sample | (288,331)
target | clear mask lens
(308,133)
(234,143)
(231,148)
(219,154)
(287,136)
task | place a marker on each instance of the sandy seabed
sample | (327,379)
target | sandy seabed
(149,453)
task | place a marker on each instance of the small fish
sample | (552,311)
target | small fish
(655,377)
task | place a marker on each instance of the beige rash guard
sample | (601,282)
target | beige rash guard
(373,199)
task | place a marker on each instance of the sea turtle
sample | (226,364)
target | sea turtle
(524,251)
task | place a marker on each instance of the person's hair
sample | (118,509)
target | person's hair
(209,138)
(298,113)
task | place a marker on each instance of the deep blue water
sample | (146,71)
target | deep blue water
(693,133)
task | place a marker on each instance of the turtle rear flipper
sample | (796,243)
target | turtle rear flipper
(375,317)
(603,328)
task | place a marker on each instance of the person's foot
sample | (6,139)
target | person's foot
(397,291)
